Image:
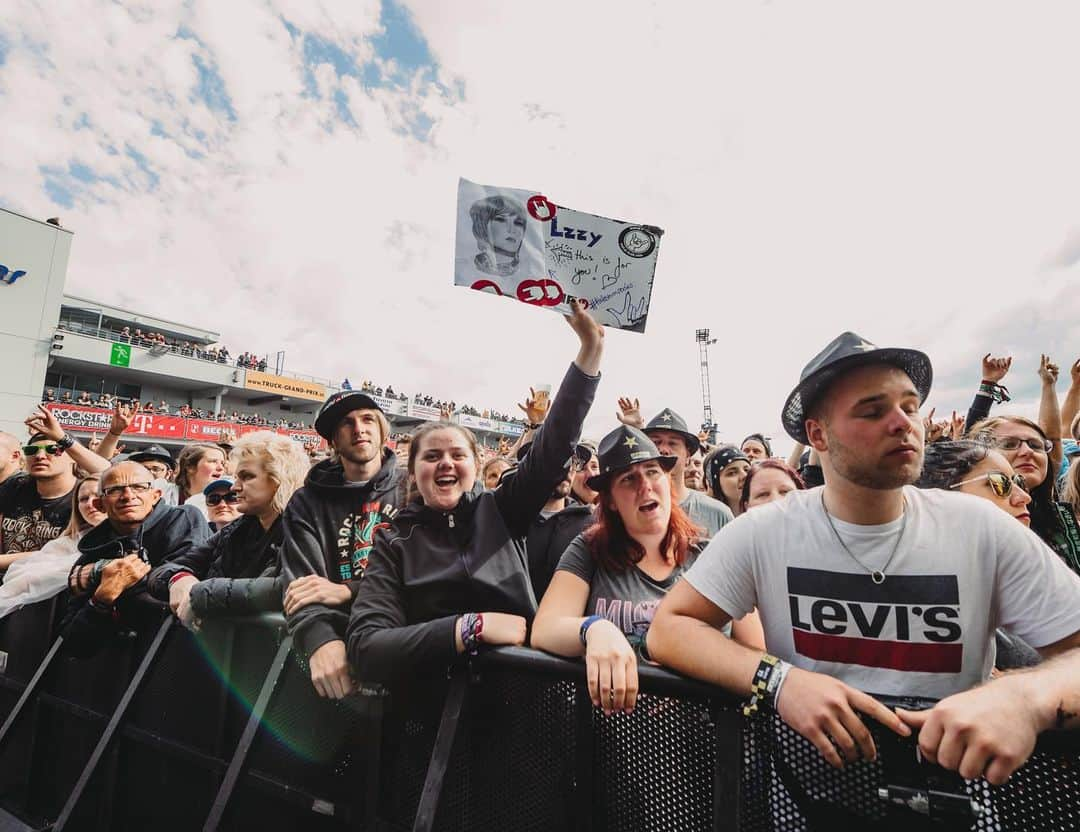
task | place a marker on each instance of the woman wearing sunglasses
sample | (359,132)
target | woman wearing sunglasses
(221,503)
(237,571)
(977,469)
(1029,452)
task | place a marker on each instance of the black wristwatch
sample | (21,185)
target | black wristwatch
(65,442)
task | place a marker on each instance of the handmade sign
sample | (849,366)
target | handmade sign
(518,244)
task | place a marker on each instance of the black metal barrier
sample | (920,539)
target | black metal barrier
(222,730)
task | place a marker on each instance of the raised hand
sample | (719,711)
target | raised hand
(630,412)
(535,407)
(42,421)
(995,369)
(121,419)
(1048,371)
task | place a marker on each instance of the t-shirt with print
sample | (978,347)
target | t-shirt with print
(962,568)
(28,521)
(706,512)
(628,598)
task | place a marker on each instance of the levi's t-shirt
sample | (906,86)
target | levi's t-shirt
(962,569)
(27,520)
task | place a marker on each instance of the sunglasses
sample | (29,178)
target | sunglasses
(1001,484)
(1012,443)
(33,450)
(230,497)
(136,487)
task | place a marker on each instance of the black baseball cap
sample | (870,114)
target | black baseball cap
(335,408)
(152,452)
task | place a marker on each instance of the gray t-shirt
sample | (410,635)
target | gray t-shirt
(707,512)
(629,598)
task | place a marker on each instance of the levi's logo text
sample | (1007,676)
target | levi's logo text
(909,622)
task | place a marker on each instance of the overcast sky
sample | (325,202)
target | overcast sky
(285,173)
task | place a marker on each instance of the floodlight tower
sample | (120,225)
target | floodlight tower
(704,342)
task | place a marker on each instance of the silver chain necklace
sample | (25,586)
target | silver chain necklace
(876,575)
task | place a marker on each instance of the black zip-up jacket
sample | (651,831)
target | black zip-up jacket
(328,528)
(548,539)
(238,570)
(432,566)
(167,532)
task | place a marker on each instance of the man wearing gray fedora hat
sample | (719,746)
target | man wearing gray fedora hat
(866,584)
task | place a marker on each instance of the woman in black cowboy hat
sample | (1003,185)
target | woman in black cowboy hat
(612,577)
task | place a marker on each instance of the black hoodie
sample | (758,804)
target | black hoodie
(432,566)
(166,533)
(329,525)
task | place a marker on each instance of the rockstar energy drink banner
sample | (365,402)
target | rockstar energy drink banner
(283,386)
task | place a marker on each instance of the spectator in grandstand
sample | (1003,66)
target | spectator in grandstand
(65,397)
(585,464)
(221,503)
(141,532)
(328,529)
(990,731)
(237,571)
(611,578)
(43,574)
(837,572)
(35,506)
(50,395)
(84,399)
(725,473)
(1026,447)
(11,458)
(694,475)
(668,430)
(756,447)
(198,465)
(450,574)
(493,469)
(768,480)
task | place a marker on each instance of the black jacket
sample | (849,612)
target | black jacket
(548,539)
(432,566)
(328,529)
(238,570)
(167,532)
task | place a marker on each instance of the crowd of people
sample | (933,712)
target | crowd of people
(448,408)
(890,554)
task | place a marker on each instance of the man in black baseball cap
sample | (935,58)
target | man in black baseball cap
(156,460)
(328,529)
(669,431)
(867,583)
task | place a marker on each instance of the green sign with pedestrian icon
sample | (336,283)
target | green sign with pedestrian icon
(121,355)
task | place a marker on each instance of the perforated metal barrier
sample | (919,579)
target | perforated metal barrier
(223,730)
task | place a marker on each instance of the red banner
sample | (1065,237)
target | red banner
(152,426)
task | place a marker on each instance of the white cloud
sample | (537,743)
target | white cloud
(898,171)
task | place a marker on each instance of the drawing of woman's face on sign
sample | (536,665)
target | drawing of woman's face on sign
(498,224)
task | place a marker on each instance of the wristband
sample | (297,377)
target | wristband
(178,576)
(471,625)
(585,625)
(760,685)
(774,691)
(65,442)
(534,427)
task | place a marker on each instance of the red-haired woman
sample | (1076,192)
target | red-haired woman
(769,480)
(613,576)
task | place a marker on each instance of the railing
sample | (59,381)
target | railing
(222,730)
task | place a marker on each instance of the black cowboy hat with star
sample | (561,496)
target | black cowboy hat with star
(668,419)
(846,352)
(623,447)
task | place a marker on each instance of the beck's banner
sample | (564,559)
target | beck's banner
(520,245)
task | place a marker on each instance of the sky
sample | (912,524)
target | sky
(285,173)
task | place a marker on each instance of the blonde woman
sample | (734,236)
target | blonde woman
(236,571)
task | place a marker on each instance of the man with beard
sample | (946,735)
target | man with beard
(669,431)
(329,525)
(866,584)
(559,521)
(694,476)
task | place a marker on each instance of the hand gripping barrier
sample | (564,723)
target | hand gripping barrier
(222,730)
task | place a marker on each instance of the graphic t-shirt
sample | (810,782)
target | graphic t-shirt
(962,568)
(706,512)
(628,598)
(27,521)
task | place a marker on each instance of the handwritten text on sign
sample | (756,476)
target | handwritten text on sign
(519,244)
